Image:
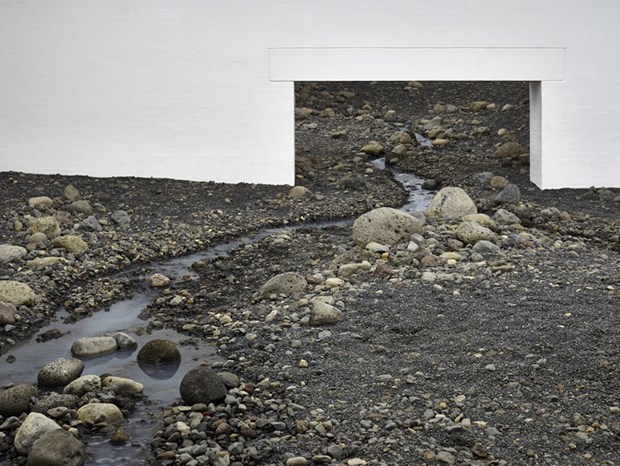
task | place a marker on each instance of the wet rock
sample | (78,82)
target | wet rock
(121,218)
(9,252)
(509,195)
(324,314)
(47,225)
(60,372)
(57,448)
(84,384)
(158,281)
(124,341)
(16,400)
(300,192)
(17,294)
(159,351)
(71,193)
(55,400)
(33,428)
(111,413)
(93,346)
(8,313)
(202,385)
(385,226)
(41,200)
(285,283)
(123,386)
(120,436)
(472,232)
(71,243)
(450,204)
(508,150)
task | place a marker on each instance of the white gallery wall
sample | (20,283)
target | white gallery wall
(203,89)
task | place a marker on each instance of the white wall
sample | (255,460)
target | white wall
(181,88)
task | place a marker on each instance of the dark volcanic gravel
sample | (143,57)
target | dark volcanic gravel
(442,355)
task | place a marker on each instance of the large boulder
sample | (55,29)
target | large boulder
(159,351)
(60,372)
(33,428)
(84,384)
(17,293)
(92,411)
(8,252)
(47,225)
(16,400)
(385,226)
(8,313)
(122,386)
(285,283)
(202,385)
(472,232)
(57,447)
(450,204)
(93,346)
(71,243)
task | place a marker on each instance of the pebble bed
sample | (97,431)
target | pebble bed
(443,355)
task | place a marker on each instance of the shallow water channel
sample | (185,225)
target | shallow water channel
(160,385)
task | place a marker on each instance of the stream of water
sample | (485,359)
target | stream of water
(161,386)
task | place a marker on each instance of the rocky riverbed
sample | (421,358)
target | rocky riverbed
(484,332)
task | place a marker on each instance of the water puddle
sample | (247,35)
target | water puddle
(161,385)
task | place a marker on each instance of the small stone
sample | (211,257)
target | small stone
(120,436)
(296,461)
(158,281)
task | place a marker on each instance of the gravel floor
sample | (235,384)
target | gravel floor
(498,359)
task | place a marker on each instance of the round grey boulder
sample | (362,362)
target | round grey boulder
(121,218)
(159,351)
(57,447)
(450,204)
(285,283)
(503,217)
(60,372)
(486,248)
(33,428)
(385,226)
(124,341)
(202,385)
(325,314)
(82,207)
(16,400)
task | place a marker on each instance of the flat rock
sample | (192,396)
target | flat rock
(82,385)
(40,200)
(93,346)
(123,386)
